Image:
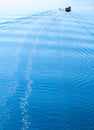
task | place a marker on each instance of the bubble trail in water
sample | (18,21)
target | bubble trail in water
(24,105)
(25,100)
(12,84)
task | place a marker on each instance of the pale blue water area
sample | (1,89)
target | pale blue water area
(47,72)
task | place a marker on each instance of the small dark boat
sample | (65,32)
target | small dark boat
(68,9)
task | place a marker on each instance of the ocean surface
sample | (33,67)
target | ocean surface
(47,72)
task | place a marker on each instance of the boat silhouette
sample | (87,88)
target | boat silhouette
(68,9)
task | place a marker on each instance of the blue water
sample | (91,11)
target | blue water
(47,72)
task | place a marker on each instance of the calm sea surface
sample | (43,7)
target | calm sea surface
(47,72)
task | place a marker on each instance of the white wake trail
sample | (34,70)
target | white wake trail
(25,100)
(10,88)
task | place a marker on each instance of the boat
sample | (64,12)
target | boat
(68,9)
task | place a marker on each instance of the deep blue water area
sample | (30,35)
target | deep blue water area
(47,72)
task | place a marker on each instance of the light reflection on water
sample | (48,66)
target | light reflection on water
(46,72)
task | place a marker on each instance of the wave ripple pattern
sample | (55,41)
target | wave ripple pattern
(47,72)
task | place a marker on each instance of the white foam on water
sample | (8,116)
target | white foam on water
(25,100)
(13,84)
(24,104)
